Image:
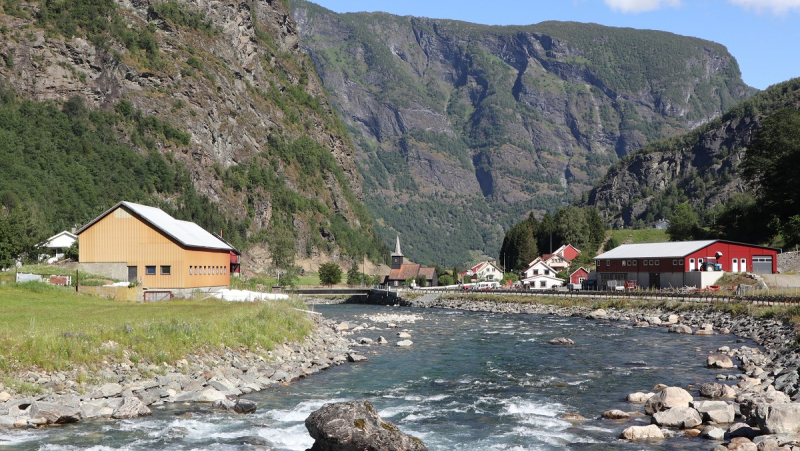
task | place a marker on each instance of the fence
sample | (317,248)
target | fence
(53,279)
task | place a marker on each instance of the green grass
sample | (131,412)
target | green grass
(53,328)
(639,236)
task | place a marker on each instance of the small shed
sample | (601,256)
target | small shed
(579,275)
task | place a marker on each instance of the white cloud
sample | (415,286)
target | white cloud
(640,6)
(778,7)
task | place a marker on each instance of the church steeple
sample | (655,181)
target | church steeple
(397,251)
(397,255)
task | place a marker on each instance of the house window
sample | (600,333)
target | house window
(608,262)
(634,263)
(543,284)
(624,263)
(674,262)
(150,270)
(680,262)
(658,262)
(166,270)
(546,272)
(581,280)
(535,272)
(644,262)
(190,270)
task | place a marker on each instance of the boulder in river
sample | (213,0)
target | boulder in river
(717,390)
(54,413)
(668,398)
(719,361)
(783,418)
(642,432)
(563,341)
(356,426)
(678,417)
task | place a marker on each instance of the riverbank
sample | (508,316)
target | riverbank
(132,390)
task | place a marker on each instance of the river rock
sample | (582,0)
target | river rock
(678,417)
(639,397)
(210,394)
(719,361)
(101,408)
(108,391)
(743,430)
(563,341)
(404,343)
(342,326)
(131,407)
(667,398)
(382,340)
(355,358)
(713,433)
(642,432)
(680,329)
(742,444)
(403,335)
(616,414)
(717,390)
(597,314)
(356,426)
(719,412)
(54,413)
(777,418)
(4,396)
(365,341)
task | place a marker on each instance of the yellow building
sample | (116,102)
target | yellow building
(158,250)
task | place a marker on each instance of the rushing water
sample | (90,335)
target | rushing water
(471,381)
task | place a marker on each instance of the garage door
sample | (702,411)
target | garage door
(762,264)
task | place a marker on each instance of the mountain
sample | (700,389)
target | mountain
(462,129)
(701,167)
(207,108)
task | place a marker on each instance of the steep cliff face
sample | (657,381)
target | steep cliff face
(462,122)
(700,167)
(233,77)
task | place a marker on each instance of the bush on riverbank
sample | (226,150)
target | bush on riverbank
(55,329)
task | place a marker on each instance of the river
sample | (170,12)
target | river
(471,381)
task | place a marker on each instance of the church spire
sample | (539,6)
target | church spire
(397,251)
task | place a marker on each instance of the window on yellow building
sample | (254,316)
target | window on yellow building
(150,270)
(166,270)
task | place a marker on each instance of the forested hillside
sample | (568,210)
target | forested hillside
(208,110)
(461,130)
(737,173)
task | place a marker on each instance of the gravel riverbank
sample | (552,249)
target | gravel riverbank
(132,390)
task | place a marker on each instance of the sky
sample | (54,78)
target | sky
(763,35)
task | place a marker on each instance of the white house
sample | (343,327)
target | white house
(57,244)
(539,268)
(542,282)
(484,271)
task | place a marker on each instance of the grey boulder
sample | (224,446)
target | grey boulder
(54,413)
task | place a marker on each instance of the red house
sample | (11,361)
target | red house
(579,275)
(681,263)
(568,252)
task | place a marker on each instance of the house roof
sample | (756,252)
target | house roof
(581,268)
(541,264)
(405,272)
(429,273)
(186,233)
(665,249)
(62,239)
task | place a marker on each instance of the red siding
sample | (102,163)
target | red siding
(577,275)
(731,251)
(570,253)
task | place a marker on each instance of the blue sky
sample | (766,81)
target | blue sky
(763,35)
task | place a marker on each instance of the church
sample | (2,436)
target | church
(402,271)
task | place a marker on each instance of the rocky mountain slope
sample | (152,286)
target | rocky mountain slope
(700,167)
(263,145)
(462,129)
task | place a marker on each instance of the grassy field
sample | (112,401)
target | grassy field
(639,236)
(54,328)
(83,277)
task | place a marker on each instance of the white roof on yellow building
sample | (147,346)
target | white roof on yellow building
(186,233)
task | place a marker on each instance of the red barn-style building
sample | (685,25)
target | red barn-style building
(579,275)
(680,263)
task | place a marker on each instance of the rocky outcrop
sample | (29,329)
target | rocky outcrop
(231,90)
(703,164)
(509,118)
(356,426)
